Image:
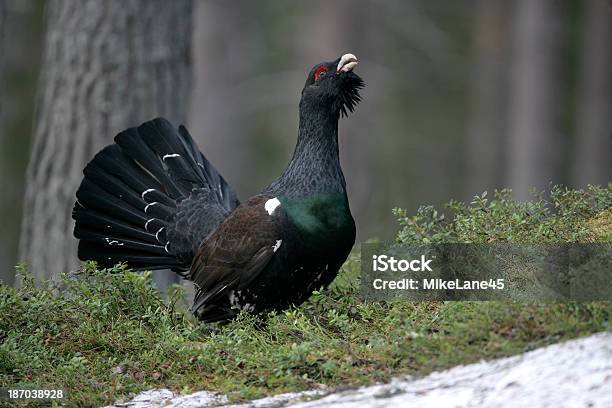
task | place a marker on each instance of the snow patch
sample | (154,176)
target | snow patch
(576,373)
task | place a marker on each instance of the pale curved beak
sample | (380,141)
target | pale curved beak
(347,63)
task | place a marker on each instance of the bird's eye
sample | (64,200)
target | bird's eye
(320,72)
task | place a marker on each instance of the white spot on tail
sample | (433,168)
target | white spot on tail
(147,224)
(277,245)
(157,233)
(149,205)
(166,247)
(170,155)
(146,192)
(271,205)
(113,242)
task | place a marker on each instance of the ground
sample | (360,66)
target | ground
(111,335)
(583,367)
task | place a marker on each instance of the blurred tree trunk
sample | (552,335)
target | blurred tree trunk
(5,275)
(2,30)
(108,65)
(535,137)
(592,163)
(20,23)
(487,122)
(219,115)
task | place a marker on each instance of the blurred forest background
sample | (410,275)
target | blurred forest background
(461,97)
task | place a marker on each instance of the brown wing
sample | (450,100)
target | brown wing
(236,252)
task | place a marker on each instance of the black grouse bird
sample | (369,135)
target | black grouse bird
(154,201)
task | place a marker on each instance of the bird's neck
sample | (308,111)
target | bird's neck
(315,165)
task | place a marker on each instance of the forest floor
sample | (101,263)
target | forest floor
(532,379)
(111,335)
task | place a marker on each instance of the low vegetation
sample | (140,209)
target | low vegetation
(110,334)
(564,215)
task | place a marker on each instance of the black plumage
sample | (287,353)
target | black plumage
(154,201)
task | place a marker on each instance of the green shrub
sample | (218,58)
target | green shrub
(566,216)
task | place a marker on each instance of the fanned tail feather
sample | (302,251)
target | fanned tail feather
(136,194)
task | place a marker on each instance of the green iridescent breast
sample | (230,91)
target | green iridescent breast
(321,214)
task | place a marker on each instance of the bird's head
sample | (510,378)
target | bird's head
(333,86)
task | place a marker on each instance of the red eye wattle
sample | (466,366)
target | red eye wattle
(320,71)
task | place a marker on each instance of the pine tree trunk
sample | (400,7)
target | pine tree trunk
(219,121)
(535,135)
(487,121)
(593,142)
(5,275)
(21,23)
(108,65)
(2,33)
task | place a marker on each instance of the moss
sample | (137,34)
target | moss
(600,227)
